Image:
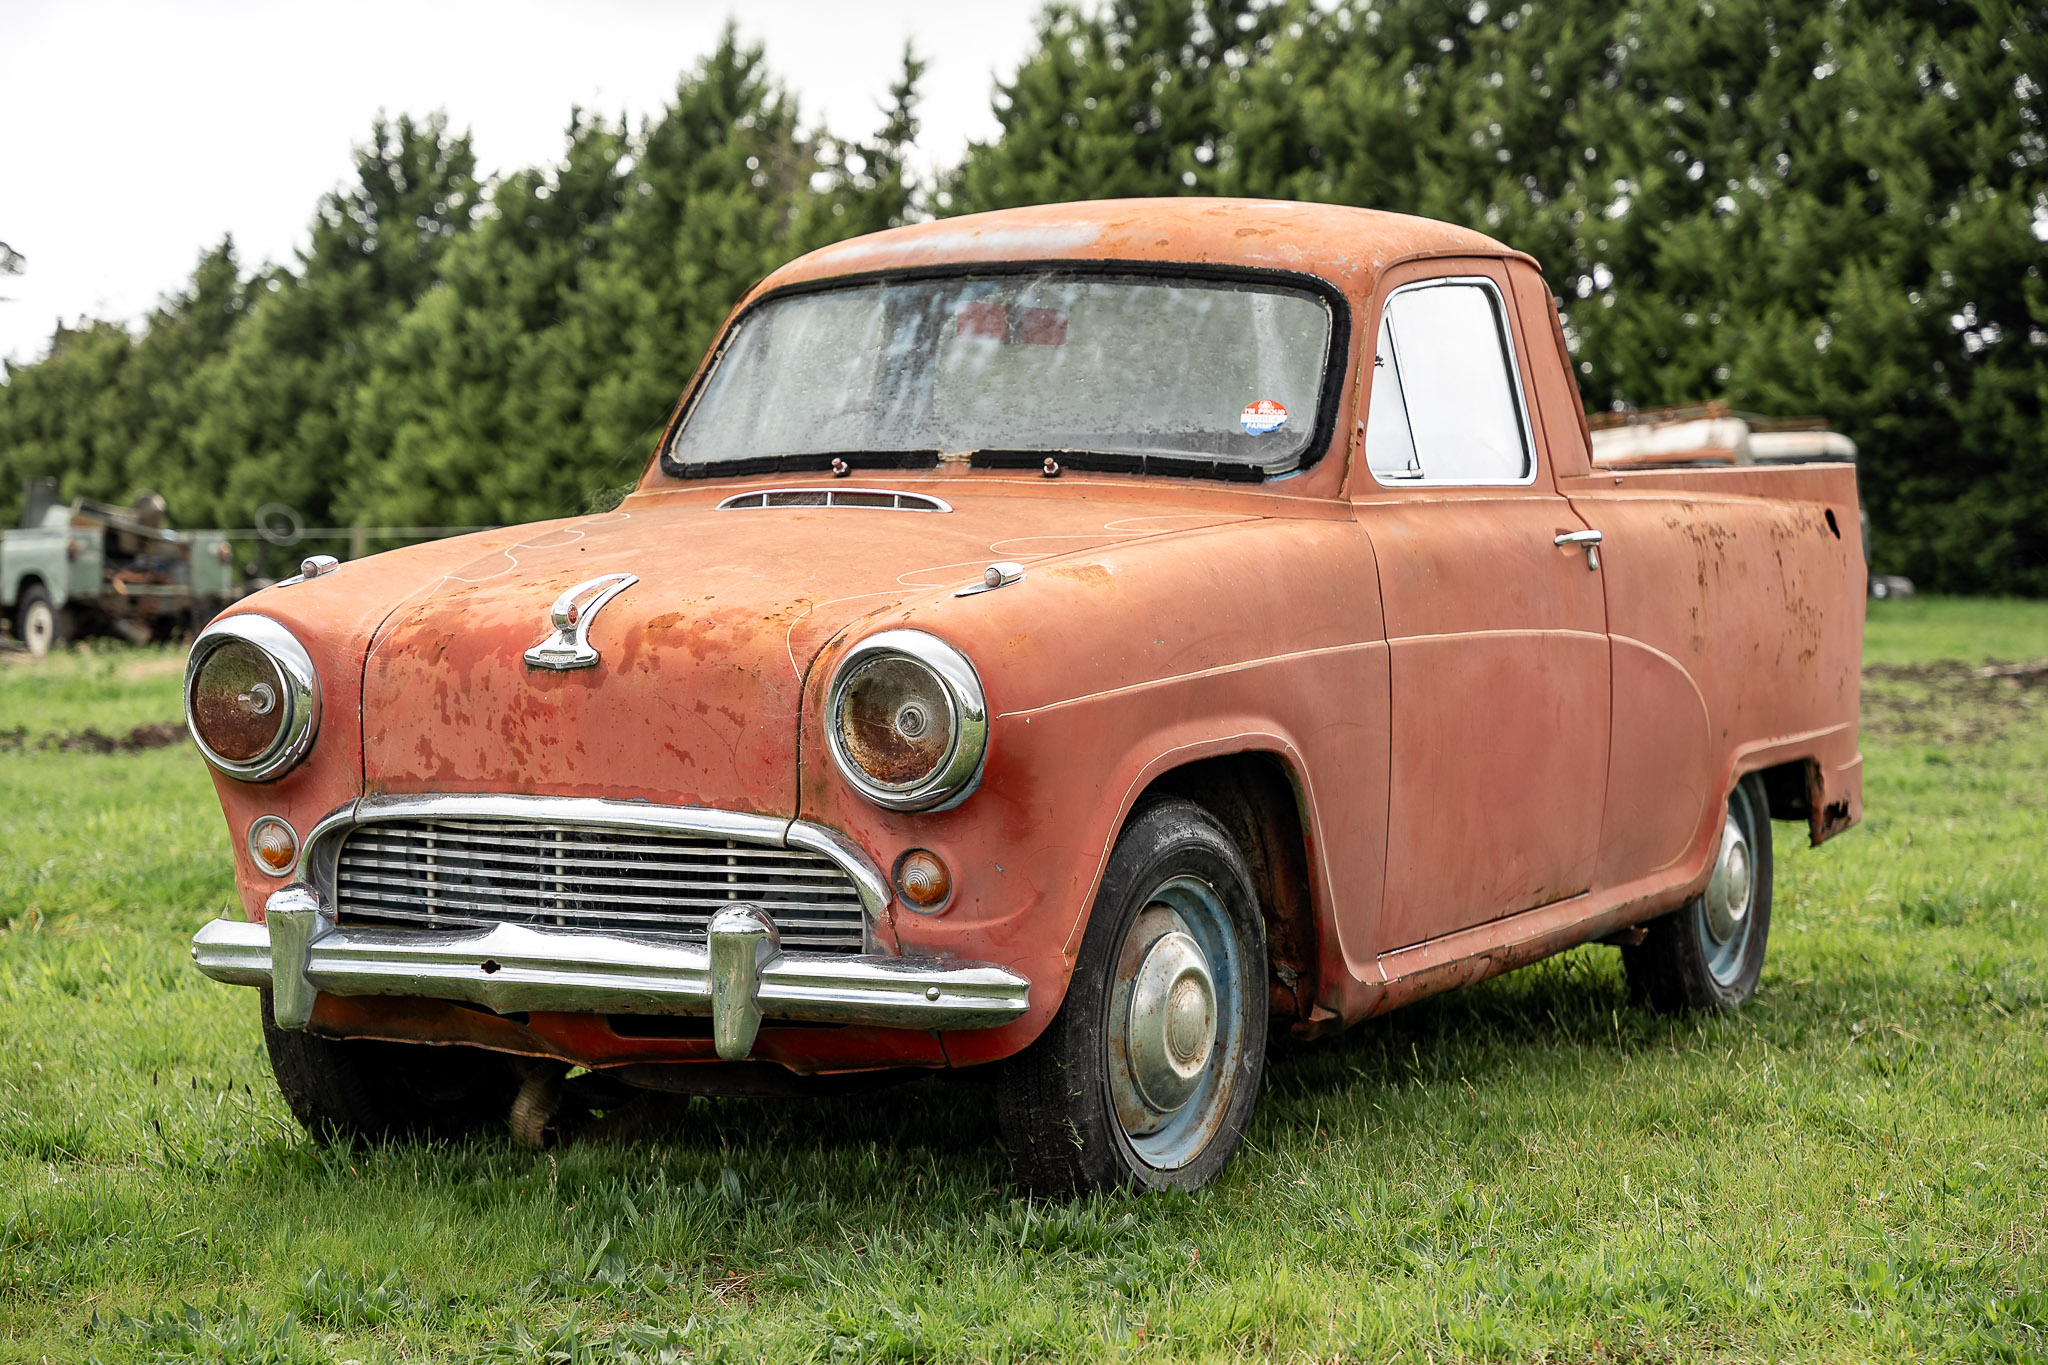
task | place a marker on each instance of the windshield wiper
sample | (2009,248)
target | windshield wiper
(1201,466)
(806,462)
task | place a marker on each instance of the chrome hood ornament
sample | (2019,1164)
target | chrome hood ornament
(569,646)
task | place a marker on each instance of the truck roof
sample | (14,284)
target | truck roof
(1347,246)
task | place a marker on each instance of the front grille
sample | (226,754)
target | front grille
(467,874)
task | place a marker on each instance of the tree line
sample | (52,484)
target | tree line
(1836,208)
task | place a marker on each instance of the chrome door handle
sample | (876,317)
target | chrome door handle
(1589,539)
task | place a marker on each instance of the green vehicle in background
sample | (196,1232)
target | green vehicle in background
(85,568)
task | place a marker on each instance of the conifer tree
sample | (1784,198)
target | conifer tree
(109,414)
(274,411)
(1837,209)
(1120,102)
(543,368)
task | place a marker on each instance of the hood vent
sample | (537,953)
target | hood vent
(883,498)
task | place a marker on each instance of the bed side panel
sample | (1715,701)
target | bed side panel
(1735,602)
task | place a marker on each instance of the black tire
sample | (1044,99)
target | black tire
(39,623)
(1692,959)
(355,1091)
(1059,1100)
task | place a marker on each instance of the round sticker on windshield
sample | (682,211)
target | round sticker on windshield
(1263,417)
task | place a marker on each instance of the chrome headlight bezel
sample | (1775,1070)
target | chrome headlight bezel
(301,697)
(954,779)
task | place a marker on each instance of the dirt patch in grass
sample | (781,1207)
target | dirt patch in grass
(93,740)
(1951,703)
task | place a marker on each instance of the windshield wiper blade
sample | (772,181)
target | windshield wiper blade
(807,462)
(1124,462)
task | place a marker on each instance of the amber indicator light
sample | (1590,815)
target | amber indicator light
(273,844)
(923,881)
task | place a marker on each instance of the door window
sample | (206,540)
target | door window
(1446,406)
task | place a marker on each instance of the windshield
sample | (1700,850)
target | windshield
(1170,369)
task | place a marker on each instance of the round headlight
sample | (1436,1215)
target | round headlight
(252,700)
(907,722)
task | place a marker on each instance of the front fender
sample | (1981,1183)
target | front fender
(1259,643)
(335,617)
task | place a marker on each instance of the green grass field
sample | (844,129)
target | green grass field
(1855,1167)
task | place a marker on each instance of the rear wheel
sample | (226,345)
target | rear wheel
(358,1090)
(38,624)
(1709,953)
(1148,1075)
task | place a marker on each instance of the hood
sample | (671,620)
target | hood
(696,696)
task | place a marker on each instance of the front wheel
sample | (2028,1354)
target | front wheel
(1709,953)
(1148,1075)
(351,1091)
(38,623)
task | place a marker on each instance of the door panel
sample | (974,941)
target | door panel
(1499,672)
(1500,688)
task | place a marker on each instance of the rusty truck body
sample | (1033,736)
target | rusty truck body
(1081,639)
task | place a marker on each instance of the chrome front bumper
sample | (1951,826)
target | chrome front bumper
(739,976)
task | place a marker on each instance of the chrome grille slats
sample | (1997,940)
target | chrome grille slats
(550,898)
(461,874)
(514,854)
(445,865)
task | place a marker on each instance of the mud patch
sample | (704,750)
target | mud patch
(1952,703)
(93,740)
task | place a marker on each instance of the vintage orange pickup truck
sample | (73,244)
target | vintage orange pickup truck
(1084,640)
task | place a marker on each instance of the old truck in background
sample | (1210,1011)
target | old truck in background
(84,568)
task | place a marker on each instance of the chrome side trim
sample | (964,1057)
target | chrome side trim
(302,694)
(868,498)
(569,647)
(955,778)
(317,859)
(510,968)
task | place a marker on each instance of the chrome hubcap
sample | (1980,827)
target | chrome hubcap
(1172,1026)
(1728,892)
(1176,1023)
(1726,912)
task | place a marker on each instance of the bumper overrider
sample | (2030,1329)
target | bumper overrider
(739,975)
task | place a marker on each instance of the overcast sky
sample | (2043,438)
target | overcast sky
(135,133)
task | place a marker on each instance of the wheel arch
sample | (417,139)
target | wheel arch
(1259,798)
(1820,789)
(1787,787)
(21,582)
